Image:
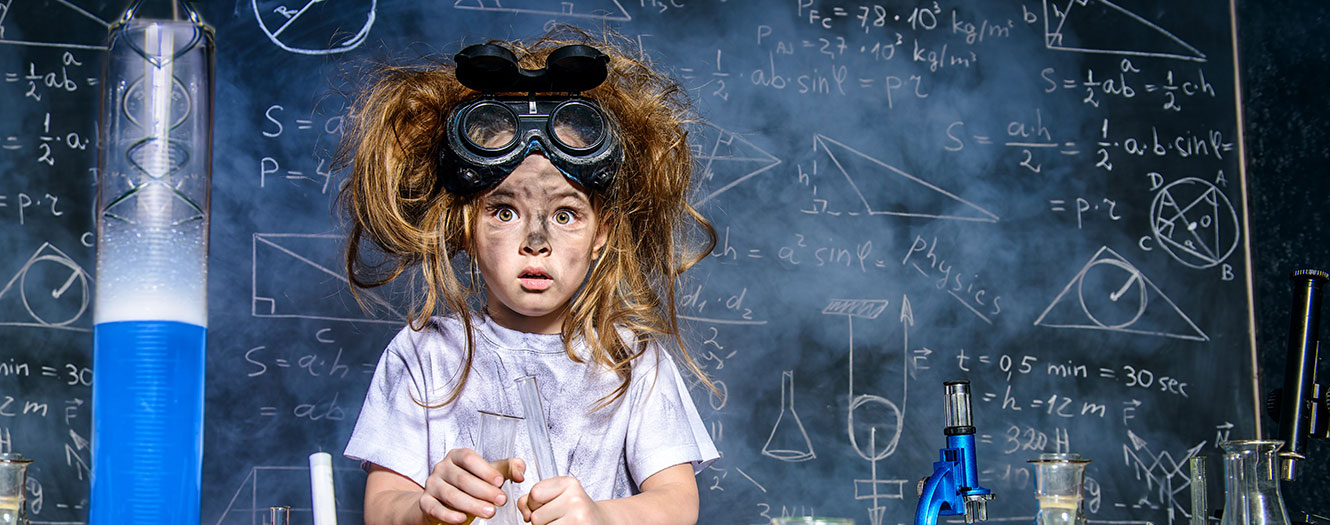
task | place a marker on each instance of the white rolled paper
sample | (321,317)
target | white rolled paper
(321,486)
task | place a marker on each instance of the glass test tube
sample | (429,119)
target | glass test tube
(279,515)
(536,429)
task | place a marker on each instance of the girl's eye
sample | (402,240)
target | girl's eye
(505,215)
(564,217)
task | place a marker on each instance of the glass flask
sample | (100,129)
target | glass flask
(498,437)
(1059,482)
(1251,485)
(13,482)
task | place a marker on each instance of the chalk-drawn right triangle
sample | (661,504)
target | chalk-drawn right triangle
(883,189)
(52,24)
(1101,26)
(267,486)
(595,9)
(298,276)
(727,159)
(1109,293)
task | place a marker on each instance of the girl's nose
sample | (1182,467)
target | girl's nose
(536,241)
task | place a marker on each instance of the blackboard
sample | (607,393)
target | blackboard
(1045,198)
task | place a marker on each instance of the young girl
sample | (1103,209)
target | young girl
(574,218)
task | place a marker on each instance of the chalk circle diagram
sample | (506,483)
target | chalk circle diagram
(727,159)
(62,24)
(882,189)
(788,440)
(1195,222)
(881,419)
(1109,293)
(872,419)
(599,9)
(315,27)
(298,276)
(54,292)
(1078,25)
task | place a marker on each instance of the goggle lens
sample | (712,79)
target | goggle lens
(490,126)
(578,126)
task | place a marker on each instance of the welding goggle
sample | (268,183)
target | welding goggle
(489,136)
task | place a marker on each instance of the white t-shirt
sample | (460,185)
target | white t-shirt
(610,451)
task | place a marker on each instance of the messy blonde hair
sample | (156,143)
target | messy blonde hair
(396,201)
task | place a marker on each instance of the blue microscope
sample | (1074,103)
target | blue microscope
(954,489)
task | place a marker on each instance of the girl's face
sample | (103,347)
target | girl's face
(534,242)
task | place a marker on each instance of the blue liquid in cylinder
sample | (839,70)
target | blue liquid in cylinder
(150,376)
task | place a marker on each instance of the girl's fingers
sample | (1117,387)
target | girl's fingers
(522,503)
(511,468)
(476,466)
(435,510)
(462,484)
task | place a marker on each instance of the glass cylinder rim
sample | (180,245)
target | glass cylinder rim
(1241,442)
(1059,457)
(498,415)
(13,457)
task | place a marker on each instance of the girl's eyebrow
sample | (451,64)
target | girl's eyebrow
(571,194)
(501,194)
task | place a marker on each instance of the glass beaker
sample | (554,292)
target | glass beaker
(1059,480)
(1251,484)
(498,434)
(13,483)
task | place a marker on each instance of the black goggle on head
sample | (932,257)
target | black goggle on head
(489,136)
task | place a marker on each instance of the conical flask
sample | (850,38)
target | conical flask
(788,440)
(1251,486)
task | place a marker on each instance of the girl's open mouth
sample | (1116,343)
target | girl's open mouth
(535,279)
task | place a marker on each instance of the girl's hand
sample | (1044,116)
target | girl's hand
(464,486)
(563,499)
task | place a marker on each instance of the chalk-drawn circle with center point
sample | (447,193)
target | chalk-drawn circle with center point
(1194,222)
(878,430)
(54,296)
(315,27)
(1108,299)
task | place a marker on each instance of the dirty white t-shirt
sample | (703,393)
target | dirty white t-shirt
(610,451)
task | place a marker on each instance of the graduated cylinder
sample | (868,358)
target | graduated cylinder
(154,175)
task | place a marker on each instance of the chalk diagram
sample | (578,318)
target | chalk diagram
(267,486)
(29,24)
(727,159)
(883,189)
(1109,293)
(53,289)
(316,27)
(296,276)
(1195,222)
(1133,36)
(788,440)
(599,9)
(878,417)
(1165,476)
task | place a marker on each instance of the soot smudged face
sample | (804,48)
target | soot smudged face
(534,243)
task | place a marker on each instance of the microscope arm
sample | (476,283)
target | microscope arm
(930,501)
